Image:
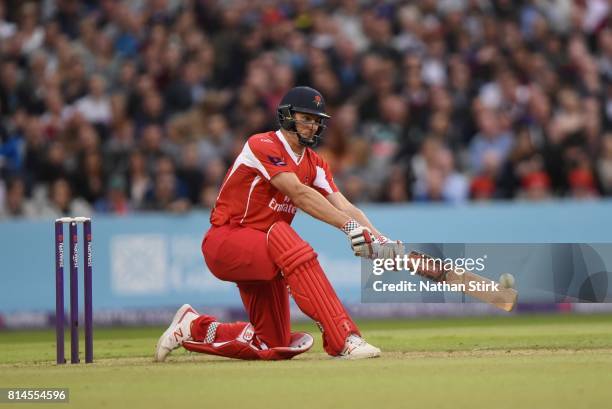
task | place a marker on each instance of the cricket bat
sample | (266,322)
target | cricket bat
(476,286)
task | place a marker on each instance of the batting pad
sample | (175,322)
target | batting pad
(309,286)
(243,347)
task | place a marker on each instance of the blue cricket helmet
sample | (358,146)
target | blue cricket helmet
(306,100)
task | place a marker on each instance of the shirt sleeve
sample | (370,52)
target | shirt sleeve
(324,180)
(266,157)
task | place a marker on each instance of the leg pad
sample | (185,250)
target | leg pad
(309,286)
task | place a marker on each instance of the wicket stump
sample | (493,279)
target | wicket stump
(74,289)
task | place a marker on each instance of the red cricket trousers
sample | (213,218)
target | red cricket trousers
(240,254)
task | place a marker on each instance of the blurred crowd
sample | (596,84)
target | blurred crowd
(118,106)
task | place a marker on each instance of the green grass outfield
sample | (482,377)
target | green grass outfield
(552,361)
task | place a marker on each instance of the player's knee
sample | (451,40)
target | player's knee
(287,248)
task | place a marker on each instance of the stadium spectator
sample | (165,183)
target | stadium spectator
(61,202)
(116,200)
(430,100)
(15,203)
(604,164)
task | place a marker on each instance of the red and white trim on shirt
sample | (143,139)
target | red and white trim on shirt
(253,184)
(292,154)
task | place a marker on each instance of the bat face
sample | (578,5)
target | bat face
(485,290)
(476,286)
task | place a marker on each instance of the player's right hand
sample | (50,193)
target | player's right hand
(383,247)
(360,238)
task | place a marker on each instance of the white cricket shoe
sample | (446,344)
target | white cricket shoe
(356,347)
(178,332)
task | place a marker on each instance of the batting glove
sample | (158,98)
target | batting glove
(383,247)
(360,238)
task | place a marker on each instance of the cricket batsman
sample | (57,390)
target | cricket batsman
(251,243)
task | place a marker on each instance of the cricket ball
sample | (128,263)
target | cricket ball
(506,280)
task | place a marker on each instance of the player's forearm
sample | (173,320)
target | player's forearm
(311,201)
(357,214)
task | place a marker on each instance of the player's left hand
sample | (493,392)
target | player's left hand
(360,238)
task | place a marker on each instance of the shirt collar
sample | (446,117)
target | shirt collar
(281,137)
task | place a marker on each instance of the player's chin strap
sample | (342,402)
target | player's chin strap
(309,143)
(244,347)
